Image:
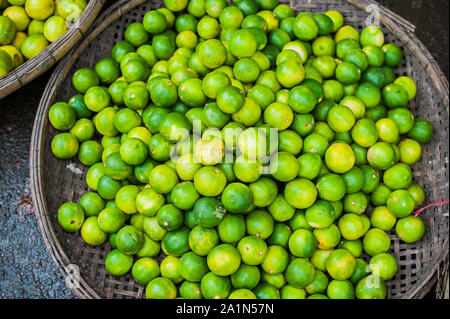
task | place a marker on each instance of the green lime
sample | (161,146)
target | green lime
(160,287)
(190,290)
(351,226)
(237,197)
(333,90)
(300,193)
(319,284)
(117,263)
(224,260)
(91,232)
(410,229)
(144,270)
(408,84)
(340,289)
(259,223)
(376,241)
(83,129)
(110,219)
(71,216)
(393,55)
(231,229)
(97,98)
(276,260)
(320,214)
(215,287)
(381,155)
(355,247)
(245,277)
(163,179)
(302,243)
(210,181)
(398,176)
(202,240)
(280,209)
(169,217)
(371,287)
(341,264)
(383,265)
(305,27)
(90,152)
(410,151)
(300,273)
(65,145)
(208,212)
(62,116)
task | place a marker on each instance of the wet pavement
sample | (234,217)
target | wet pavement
(26,268)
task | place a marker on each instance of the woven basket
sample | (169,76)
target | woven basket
(34,67)
(421,264)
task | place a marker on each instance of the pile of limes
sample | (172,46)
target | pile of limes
(27,27)
(266,154)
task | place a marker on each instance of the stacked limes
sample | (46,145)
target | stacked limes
(27,27)
(262,153)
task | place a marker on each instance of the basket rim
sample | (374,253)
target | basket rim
(55,51)
(401,28)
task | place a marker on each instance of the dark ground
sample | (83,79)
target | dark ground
(26,268)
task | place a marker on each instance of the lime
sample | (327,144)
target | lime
(340,157)
(210,181)
(400,203)
(290,72)
(116,168)
(64,145)
(408,84)
(90,152)
(381,155)
(71,216)
(280,209)
(383,265)
(364,132)
(319,284)
(144,270)
(243,43)
(300,193)
(190,290)
(276,260)
(398,176)
(246,70)
(17,15)
(230,99)
(39,9)
(320,214)
(340,289)
(319,258)
(305,27)
(160,287)
(340,264)
(136,33)
(309,165)
(215,287)
(302,243)
(410,151)
(245,277)
(91,232)
(237,197)
(300,273)
(393,55)
(224,260)
(376,241)
(351,226)
(117,263)
(110,219)
(33,45)
(371,287)
(410,229)
(212,53)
